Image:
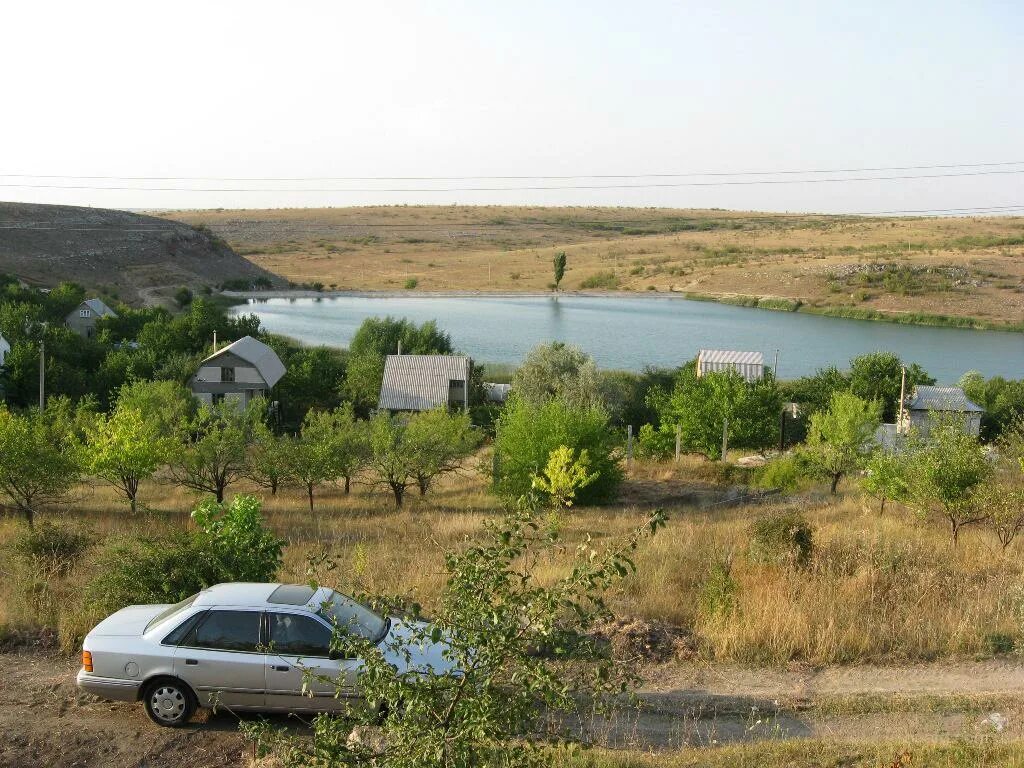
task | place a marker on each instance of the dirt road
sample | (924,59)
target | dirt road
(47,722)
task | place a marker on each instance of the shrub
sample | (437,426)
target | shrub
(654,444)
(231,545)
(781,538)
(411,283)
(718,594)
(528,433)
(183,296)
(50,548)
(607,280)
(783,474)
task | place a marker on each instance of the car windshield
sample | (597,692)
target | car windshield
(173,610)
(350,616)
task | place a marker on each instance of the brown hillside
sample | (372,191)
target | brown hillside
(135,258)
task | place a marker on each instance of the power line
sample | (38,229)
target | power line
(532,188)
(519,177)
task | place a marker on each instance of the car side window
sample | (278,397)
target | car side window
(226,631)
(294,635)
(183,630)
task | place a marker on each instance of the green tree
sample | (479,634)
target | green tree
(268,462)
(841,439)
(701,405)
(885,477)
(945,472)
(167,405)
(559,265)
(214,454)
(377,338)
(39,458)
(390,462)
(564,475)
(332,445)
(561,371)
(877,376)
(314,380)
(517,651)
(125,448)
(1002,399)
(1003,495)
(527,434)
(438,443)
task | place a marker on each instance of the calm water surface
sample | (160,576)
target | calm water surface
(630,333)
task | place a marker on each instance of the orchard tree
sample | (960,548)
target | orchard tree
(885,477)
(125,448)
(39,458)
(268,463)
(563,476)
(1003,496)
(391,462)
(519,660)
(332,445)
(438,443)
(167,405)
(841,438)
(214,454)
(946,470)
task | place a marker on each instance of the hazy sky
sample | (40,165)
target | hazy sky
(448,88)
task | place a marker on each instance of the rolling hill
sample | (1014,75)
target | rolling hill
(139,259)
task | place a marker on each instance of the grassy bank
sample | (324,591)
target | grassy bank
(878,588)
(857,313)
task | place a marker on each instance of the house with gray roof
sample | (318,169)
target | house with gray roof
(239,373)
(926,403)
(424,382)
(82,319)
(749,365)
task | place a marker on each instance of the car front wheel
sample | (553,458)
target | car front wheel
(169,702)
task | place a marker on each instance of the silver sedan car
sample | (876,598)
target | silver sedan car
(243,647)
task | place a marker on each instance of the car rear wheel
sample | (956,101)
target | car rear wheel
(169,702)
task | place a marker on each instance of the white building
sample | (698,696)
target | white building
(926,403)
(240,372)
(749,365)
(5,347)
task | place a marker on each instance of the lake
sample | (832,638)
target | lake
(631,333)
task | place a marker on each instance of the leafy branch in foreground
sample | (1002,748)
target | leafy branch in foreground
(512,668)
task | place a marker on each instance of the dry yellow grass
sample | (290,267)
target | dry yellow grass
(879,587)
(718,253)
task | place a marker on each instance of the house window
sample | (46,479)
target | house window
(217,398)
(85,313)
(227,374)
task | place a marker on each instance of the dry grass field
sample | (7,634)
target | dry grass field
(962,267)
(878,588)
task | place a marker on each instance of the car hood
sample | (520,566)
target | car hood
(412,639)
(130,621)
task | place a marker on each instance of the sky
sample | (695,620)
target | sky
(333,90)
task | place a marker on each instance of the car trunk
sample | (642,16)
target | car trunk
(130,621)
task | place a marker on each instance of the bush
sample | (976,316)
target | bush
(528,433)
(51,549)
(601,280)
(411,283)
(183,296)
(782,474)
(781,538)
(654,444)
(718,593)
(230,545)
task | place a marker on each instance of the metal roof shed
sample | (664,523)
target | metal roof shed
(749,365)
(423,382)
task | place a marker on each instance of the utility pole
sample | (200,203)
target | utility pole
(629,444)
(725,437)
(679,437)
(775,370)
(42,373)
(903,391)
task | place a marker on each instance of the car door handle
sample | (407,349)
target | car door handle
(192,662)
(281,668)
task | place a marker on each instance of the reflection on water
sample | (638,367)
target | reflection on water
(632,333)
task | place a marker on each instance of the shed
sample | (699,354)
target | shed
(749,365)
(423,382)
(82,319)
(497,393)
(242,371)
(926,402)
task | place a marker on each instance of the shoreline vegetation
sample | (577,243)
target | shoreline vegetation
(772,303)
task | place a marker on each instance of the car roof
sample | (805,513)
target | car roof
(259,595)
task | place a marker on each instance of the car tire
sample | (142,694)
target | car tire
(169,702)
